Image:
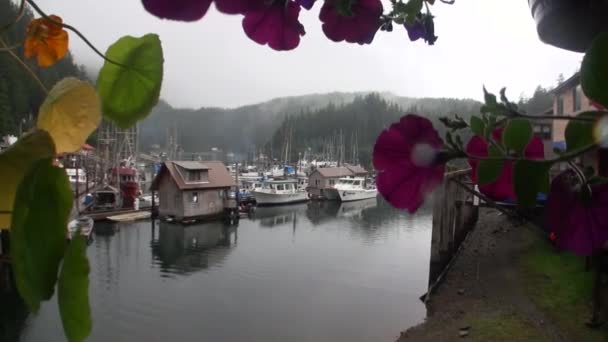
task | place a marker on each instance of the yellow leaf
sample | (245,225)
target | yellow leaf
(15,163)
(70,113)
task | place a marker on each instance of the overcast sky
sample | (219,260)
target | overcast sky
(213,63)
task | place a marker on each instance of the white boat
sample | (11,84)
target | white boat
(353,189)
(280,192)
(84,224)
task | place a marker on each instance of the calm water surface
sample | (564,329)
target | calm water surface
(310,272)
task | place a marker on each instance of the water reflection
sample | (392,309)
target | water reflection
(321,271)
(183,249)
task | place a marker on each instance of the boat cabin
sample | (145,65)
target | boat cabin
(190,190)
(281,186)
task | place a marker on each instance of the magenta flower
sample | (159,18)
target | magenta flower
(184,10)
(275,24)
(502,188)
(580,224)
(408,160)
(355,24)
(239,6)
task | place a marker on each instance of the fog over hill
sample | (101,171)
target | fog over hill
(250,127)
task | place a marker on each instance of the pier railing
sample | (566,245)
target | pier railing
(455,213)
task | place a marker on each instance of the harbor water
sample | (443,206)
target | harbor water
(308,272)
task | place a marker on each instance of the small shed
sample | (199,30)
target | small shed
(190,190)
(325,178)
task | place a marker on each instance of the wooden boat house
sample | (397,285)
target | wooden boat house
(190,190)
(325,178)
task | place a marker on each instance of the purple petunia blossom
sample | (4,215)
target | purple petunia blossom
(406,156)
(415,31)
(184,10)
(275,24)
(357,24)
(306,3)
(239,6)
(580,225)
(423,27)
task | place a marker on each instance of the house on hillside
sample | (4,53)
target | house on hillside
(569,99)
(190,190)
(325,178)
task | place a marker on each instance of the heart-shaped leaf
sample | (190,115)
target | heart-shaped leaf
(38,230)
(70,113)
(15,162)
(517,135)
(488,171)
(73,291)
(130,90)
(529,179)
(594,70)
(579,134)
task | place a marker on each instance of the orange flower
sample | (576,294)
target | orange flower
(46,40)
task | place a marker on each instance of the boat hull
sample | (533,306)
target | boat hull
(356,195)
(264,198)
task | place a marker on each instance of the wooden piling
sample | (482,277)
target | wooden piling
(454,215)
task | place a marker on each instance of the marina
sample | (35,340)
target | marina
(316,271)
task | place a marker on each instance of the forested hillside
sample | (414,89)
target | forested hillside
(356,125)
(20,96)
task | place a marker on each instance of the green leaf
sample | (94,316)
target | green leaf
(130,91)
(594,70)
(38,230)
(517,135)
(488,171)
(579,134)
(15,163)
(530,178)
(73,291)
(477,126)
(489,98)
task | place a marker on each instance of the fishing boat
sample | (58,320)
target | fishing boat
(84,224)
(353,189)
(280,192)
(125,178)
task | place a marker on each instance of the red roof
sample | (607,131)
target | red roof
(87,147)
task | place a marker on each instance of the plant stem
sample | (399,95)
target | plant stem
(563,157)
(16,19)
(73,29)
(25,67)
(8,48)
(516,113)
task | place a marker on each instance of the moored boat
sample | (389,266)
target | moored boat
(280,192)
(353,189)
(84,224)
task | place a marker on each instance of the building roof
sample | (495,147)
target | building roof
(573,81)
(356,169)
(339,171)
(192,165)
(219,177)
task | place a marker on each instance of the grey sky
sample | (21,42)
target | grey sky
(213,63)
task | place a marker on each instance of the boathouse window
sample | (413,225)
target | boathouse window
(316,182)
(177,198)
(195,197)
(221,194)
(332,182)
